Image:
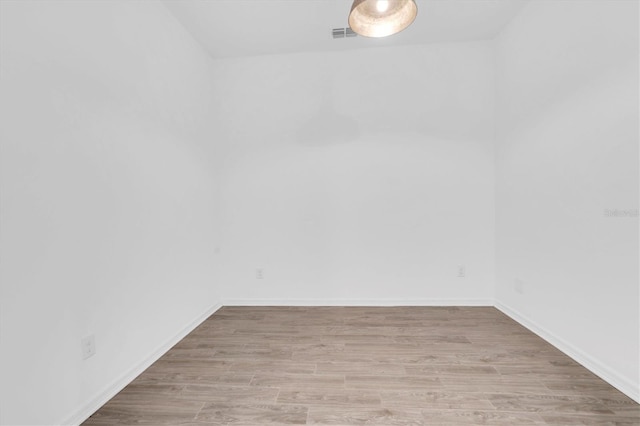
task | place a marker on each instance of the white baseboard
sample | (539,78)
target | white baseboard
(358,302)
(117,385)
(623,384)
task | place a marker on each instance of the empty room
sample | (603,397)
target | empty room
(329,212)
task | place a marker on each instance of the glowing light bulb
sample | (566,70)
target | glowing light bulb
(380,18)
(382,5)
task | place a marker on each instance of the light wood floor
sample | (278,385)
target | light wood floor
(374,366)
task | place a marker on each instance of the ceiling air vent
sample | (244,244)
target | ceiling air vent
(343,32)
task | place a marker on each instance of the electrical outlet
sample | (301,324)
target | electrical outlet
(88,346)
(518,286)
(462,272)
(259,273)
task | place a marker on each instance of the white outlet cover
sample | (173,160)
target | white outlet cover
(88,344)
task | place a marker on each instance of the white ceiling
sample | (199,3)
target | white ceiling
(256,27)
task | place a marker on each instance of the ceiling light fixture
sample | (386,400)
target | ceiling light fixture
(381,18)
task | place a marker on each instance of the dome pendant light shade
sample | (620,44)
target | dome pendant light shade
(381,18)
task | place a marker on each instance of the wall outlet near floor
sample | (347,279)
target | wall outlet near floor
(88,344)
(259,273)
(462,272)
(518,286)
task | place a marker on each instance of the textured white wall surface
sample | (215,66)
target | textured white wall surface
(108,197)
(567,180)
(360,176)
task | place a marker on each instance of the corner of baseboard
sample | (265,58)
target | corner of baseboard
(117,385)
(623,384)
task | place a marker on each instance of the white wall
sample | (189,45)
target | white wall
(359,177)
(567,151)
(108,197)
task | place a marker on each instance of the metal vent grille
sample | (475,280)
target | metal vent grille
(342,32)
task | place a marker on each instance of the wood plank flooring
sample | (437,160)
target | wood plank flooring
(362,365)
